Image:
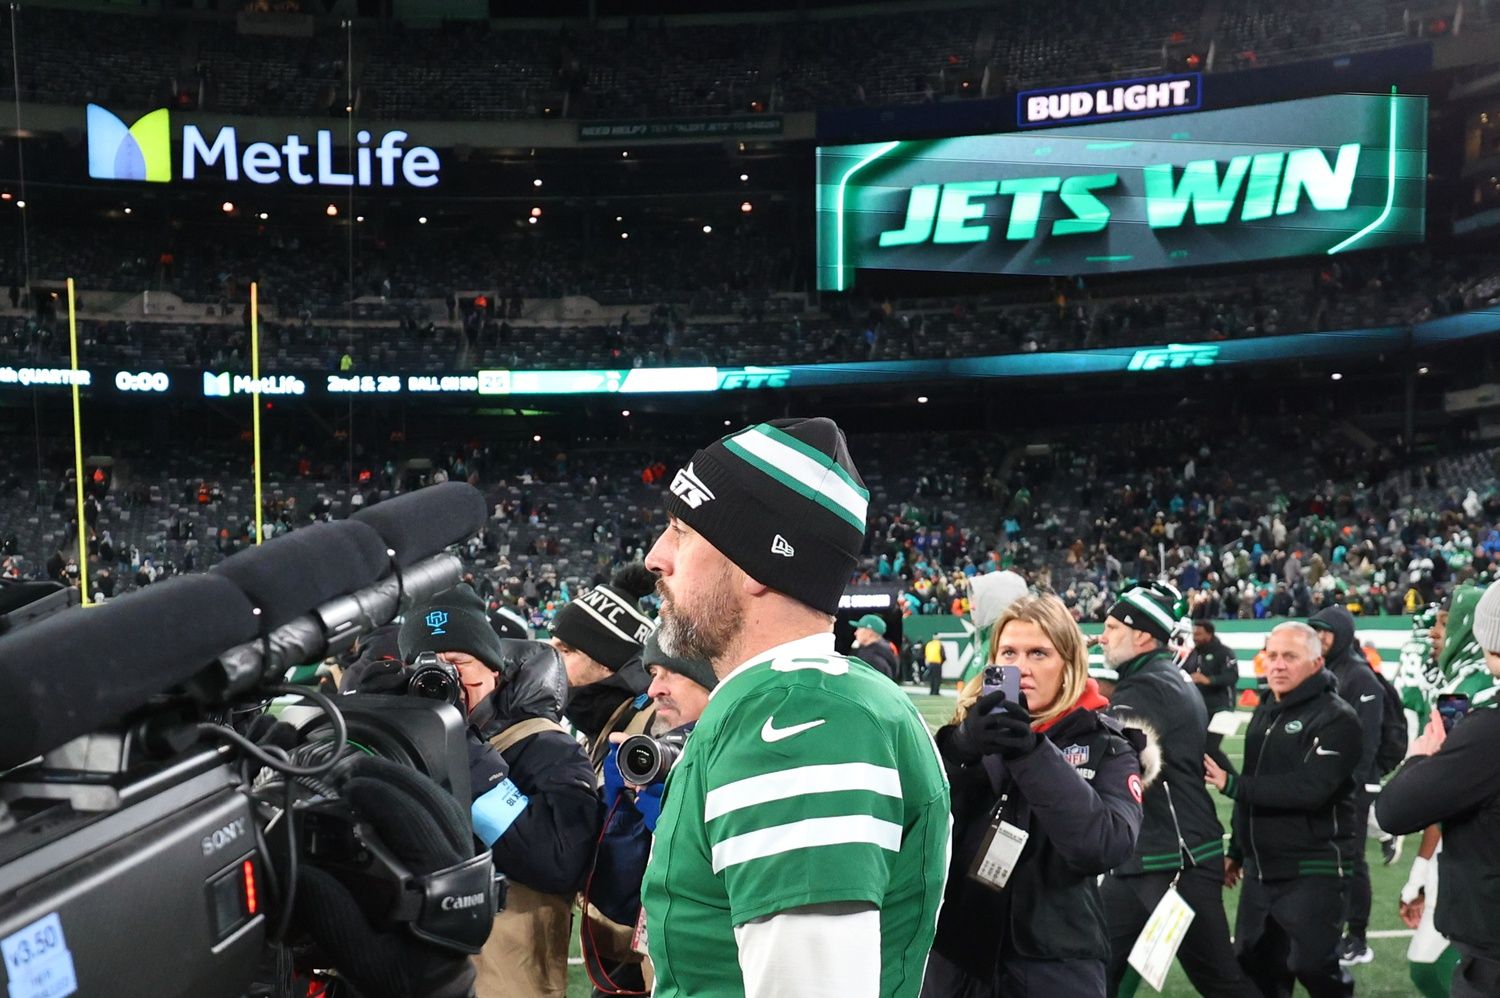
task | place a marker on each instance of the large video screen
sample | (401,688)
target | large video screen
(1316,176)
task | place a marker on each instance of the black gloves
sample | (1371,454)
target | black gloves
(374,675)
(994,726)
(428,831)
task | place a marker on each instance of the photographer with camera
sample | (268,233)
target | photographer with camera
(635,772)
(599,636)
(534,803)
(1046,798)
(1450,777)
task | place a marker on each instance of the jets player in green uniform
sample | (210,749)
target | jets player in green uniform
(803,841)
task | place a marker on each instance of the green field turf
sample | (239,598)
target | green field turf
(1386,977)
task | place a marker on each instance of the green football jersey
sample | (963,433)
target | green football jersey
(810,779)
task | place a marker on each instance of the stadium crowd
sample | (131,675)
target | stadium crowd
(654,68)
(429,306)
(1102,784)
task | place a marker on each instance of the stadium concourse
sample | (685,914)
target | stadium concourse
(1146,353)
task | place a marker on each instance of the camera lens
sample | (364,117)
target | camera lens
(642,759)
(645,760)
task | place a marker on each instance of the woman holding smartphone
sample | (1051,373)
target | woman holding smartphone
(1046,797)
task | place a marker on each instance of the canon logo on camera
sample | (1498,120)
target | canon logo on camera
(460,903)
(145,381)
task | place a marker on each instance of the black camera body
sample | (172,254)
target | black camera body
(92,867)
(431,678)
(141,839)
(645,759)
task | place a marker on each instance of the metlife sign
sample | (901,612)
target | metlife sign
(143,151)
(1105,101)
(1317,176)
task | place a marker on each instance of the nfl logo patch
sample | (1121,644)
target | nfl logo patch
(1076,755)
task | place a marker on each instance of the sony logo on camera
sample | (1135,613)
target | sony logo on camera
(223,837)
(451,903)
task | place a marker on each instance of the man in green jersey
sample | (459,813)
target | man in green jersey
(803,841)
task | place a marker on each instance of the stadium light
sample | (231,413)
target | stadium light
(625,413)
(744,178)
(357,218)
(536,213)
(707,229)
(537,182)
(536,438)
(6,196)
(1336,376)
(227,207)
(331,211)
(1424,370)
(921,399)
(421,219)
(746,207)
(624,153)
(532,220)
(624,235)
(20,204)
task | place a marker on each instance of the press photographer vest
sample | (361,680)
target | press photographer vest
(526,955)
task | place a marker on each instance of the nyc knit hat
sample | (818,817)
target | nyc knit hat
(606,623)
(454,620)
(698,671)
(1487,619)
(783,501)
(1145,610)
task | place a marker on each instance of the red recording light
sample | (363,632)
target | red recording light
(249,870)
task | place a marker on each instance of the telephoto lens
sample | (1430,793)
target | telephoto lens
(645,760)
(432,678)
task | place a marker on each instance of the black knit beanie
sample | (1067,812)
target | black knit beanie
(606,623)
(697,670)
(454,620)
(783,501)
(1145,610)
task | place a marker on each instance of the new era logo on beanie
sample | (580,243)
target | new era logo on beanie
(606,623)
(783,501)
(454,620)
(1145,610)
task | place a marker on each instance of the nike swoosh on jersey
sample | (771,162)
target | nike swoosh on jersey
(1367,698)
(1320,750)
(770,733)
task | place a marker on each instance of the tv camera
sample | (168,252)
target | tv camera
(146,788)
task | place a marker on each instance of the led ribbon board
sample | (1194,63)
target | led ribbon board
(1316,176)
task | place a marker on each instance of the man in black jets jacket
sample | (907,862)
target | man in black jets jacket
(1453,779)
(1291,805)
(1361,690)
(1181,840)
(1215,670)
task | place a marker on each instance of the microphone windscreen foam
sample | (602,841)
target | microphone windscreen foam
(86,667)
(424,523)
(293,574)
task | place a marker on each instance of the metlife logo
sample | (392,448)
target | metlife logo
(224,384)
(143,151)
